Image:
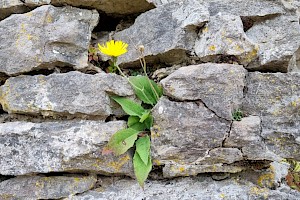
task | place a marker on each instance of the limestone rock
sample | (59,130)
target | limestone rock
(224,35)
(218,86)
(246,135)
(199,187)
(39,187)
(273,94)
(249,8)
(8,7)
(67,146)
(282,136)
(71,93)
(46,37)
(111,7)
(275,97)
(278,39)
(184,132)
(167,32)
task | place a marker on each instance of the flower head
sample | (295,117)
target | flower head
(113,48)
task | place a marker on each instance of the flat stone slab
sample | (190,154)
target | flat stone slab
(246,135)
(186,189)
(218,86)
(46,37)
(167,32)
(250,8)
(224,36)
(278,40)
(41,187)
(8,7)
(110,7)
(275,97)
(68,146)
(187,133)
(71,93)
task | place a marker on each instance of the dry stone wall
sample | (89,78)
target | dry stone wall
(212,59)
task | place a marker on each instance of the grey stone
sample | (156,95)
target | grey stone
(203,188)
(7,7)
(281,135)
(185,132)
(224,35)
(275,97)
(111,7)
(167,32)
(68,146)
(246,135)
(278,39)
(218,86)
(46,37)
(40,187)
(273,94)
(71,93)
(249,8)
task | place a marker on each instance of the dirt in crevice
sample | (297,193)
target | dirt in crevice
(5,177)
(27,117)
(250,21)
(3,78)
(156,173)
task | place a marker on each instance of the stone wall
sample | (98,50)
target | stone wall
(211,57)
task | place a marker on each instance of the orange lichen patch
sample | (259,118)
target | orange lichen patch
(212,48)
(260,191)
(156,162)
(205,30)
(294,103)
(266,180)
(251,55)
(155,132)
(119,164)
(181,169)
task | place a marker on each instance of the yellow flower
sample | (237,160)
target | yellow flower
(113,48)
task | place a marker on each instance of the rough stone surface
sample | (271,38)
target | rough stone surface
(60,146)
(46,37)
(218,86)
(224,35)
(249,8)
(273,94)
(203,188)
(8,7)
(184,132)
(276,98)
(166,32)
(111,7)
(278,39)
(40,187)
(63,94)
(246,135)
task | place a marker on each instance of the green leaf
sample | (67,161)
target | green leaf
(134,123)
(143,148)
(148,122)
(130,107)
(122,140)
(145,115)
(149,94)
(141,170)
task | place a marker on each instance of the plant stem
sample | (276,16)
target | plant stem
(143,63)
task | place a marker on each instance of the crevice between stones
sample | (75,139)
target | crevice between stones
(39,118)
(227,135)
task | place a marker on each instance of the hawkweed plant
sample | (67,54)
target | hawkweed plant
(140,119)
